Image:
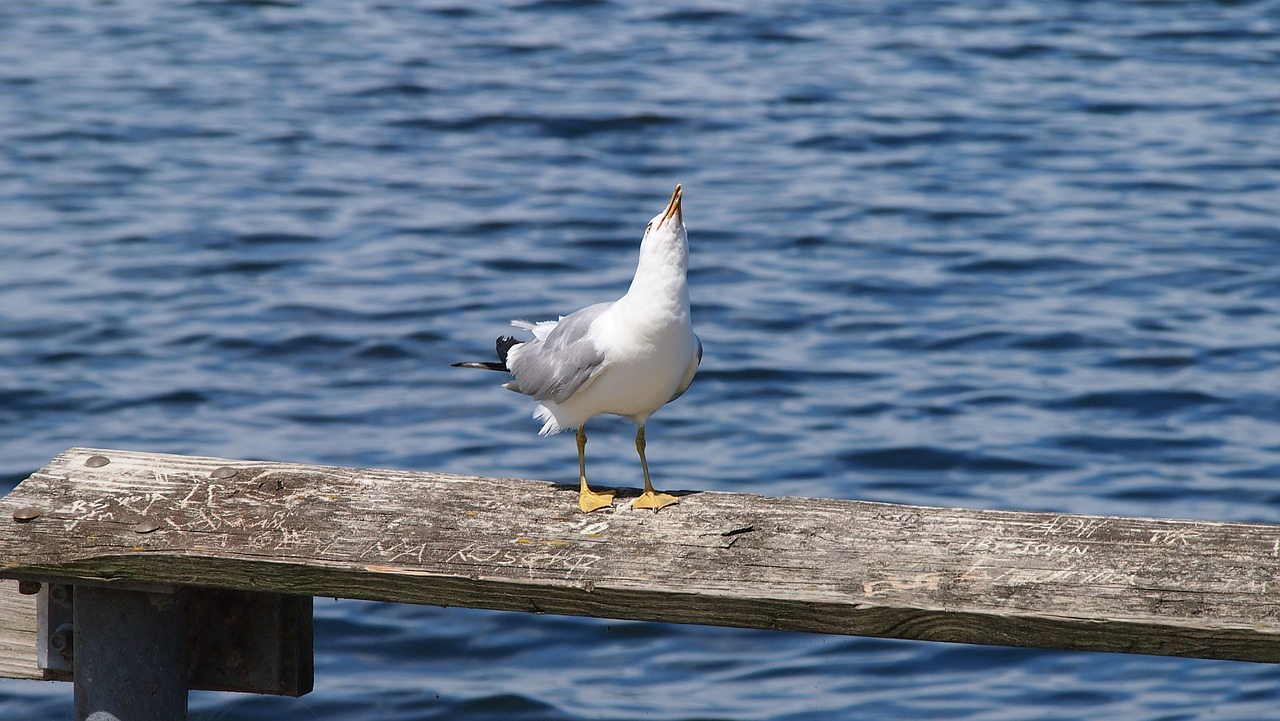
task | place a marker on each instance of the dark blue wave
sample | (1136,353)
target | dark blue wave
(1140,403)
(929,458)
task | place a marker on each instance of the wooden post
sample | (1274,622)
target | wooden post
(130,655)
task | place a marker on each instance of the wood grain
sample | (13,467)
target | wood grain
(17,633)
(1135,585)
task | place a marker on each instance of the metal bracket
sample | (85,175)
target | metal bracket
(249,642)
(55,650)
(236,640)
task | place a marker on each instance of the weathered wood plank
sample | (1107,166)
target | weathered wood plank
(17,633)
(1169,587)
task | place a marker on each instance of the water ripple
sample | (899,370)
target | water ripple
(1001,255)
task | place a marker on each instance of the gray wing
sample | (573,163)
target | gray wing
(562,364)
(691,371)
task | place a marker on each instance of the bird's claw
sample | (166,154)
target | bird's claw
(653,500)
(590,501)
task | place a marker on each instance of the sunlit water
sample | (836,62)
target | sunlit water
(993,255)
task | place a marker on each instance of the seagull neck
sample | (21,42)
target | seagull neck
(662,275)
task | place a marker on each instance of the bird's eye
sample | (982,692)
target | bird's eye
(648,227)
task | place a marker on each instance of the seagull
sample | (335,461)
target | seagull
(628,357)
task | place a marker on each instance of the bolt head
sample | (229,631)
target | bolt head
(63,641)
(61,593)
(96,461)
(223,472)
(26,514)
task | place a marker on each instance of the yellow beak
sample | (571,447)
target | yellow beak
(673,207)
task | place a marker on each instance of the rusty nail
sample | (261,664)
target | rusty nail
(223,472)
(146,526)
(25,514)
(96,461)
(28,588)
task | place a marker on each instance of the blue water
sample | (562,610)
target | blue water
(984,254)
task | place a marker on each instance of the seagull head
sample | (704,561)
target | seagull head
(664,257)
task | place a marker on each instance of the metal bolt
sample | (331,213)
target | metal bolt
(232,659)
(63,641)
(26,514)
(223,472)
(61,593)
(146,526)
(96,461)
(28,588)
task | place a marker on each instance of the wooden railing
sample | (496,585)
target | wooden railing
(210,564)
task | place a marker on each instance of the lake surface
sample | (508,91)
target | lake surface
(991,254)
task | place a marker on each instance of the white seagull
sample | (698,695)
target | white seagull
(628,358)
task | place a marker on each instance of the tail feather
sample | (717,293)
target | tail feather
(504,346)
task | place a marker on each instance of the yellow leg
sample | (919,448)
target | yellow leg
(650,498)
(588,500)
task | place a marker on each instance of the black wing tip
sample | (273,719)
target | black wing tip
(505,344)
(483,365)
